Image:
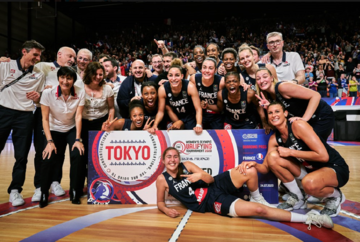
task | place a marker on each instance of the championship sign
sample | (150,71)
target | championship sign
(124,165)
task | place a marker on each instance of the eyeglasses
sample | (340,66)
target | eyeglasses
(84,59)
(273,43)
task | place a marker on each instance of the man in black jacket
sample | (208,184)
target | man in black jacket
(131,87)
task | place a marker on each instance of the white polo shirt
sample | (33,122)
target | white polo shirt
(14,96)
(290,65)
(50,70)
(62,114)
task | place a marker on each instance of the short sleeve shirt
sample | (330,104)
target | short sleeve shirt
(290,65)
(62,113)
(14,96)
(97,107)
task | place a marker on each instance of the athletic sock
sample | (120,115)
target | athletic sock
(255,194)
(294,188)
(298,218)
(336,193)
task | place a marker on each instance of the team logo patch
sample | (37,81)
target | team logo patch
(101,191)
(260,156)
(170,178)
(169,95)
(243,104)
(279,140)
(216,88)
(225,101)
(247,78)
(184,93)
(12,70)
(217,207)
(52,68)
(199,84)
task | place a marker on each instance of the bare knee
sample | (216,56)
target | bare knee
(273,158)
(260,211)
(251,172)
(311,186)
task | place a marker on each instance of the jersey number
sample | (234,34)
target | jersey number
(191,191)
(182,110)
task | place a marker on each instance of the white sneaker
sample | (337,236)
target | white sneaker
(37,195)
(333,205)
(57,189)
(16,198)
(261,200)
(293,202)
(319,220)
(313,199)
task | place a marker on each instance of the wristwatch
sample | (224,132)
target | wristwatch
(80,140)
(297,82)
(50,141)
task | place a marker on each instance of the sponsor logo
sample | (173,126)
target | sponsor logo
(12,70)
(250,146)
(217,207)
(200,194)
(227,126)
(249,136)
(52,68)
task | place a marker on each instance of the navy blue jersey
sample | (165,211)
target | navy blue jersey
(297,107)
(148,114)
(292,142)
(248,79)
(208,93)
(127,124)
(192,195)
(240,113)
(181,104)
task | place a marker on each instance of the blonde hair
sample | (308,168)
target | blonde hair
(256,85)
(176,62)
(245,47)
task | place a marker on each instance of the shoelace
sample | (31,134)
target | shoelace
(315,220)
(292,199)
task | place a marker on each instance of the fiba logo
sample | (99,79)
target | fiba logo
(101,191)
(249,136)
(259,156)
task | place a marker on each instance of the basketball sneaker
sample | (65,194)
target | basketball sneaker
(261,200)
(37,195)
(16,198)
(57,189)
(293,202)
(333,205)
(319,220)
(313,199)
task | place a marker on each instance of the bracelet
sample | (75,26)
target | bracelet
(198,125)
(79,140)
(297,82)
(50,141)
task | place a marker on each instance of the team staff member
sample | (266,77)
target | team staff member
(65,57)
(208,85)
(20,87)
(288,65)
(131,87)
(62,108)
(184,102)
(300,102)
(200,192)
(296,151)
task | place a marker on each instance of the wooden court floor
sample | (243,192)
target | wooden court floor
(64,221)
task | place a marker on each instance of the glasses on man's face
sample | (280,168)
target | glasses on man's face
(83,59)
(273,43)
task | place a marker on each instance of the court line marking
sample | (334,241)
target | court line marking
(175,236)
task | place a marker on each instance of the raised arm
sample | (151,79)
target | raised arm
(161,108)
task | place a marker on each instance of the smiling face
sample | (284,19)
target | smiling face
(264,80)
(171,160)
(32,57)
(98,77)
(66,83)
(82,60)
(137,117)
(229,61)
(212,51)
(276,115)
(199,55)
(167,62)
(175,76)
(66,56)
(232,83)
(110,70)
(149,96)
(246,58)
(208,69)
(157,64)
(138,69)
